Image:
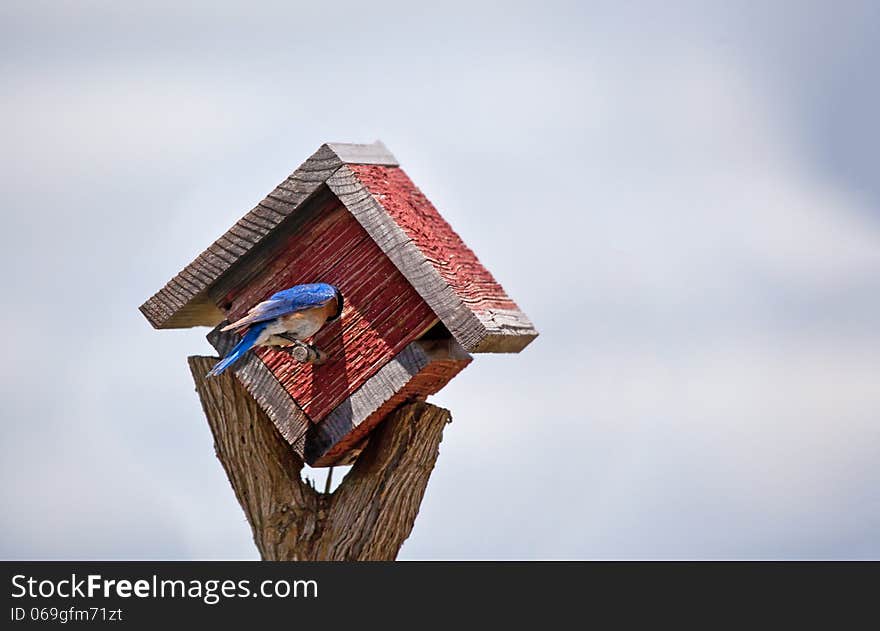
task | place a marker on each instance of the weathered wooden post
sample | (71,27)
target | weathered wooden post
(416,303)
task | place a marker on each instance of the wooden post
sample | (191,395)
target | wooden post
(370,514)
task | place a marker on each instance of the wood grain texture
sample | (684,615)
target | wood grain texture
(185,301)
(402,251)
(382,314)
(421,369)
(252,264)
(370,514)
(433,258)
(455,263)
(394,213)
(287,415)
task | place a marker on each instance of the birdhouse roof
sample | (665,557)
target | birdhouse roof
(367,180)
(416,298)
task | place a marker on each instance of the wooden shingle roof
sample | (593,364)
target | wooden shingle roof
(367,179)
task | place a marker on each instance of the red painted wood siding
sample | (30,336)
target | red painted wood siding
(430,380)
(452,259)
(382,313)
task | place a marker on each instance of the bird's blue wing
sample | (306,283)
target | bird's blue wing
(301,297)
(287,301)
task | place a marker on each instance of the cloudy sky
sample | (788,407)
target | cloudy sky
(684,197)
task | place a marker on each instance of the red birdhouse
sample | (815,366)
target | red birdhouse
(416,299)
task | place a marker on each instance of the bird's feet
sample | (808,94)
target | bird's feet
(306,353)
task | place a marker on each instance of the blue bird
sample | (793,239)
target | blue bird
(285,319)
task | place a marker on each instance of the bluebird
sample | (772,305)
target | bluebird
(285,319)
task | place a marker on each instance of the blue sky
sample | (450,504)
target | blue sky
(682,196)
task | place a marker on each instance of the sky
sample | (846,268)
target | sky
(684,197)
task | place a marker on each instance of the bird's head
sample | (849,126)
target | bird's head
(339,305)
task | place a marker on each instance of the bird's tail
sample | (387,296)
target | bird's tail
(246,343)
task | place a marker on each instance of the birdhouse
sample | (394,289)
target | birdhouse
(416,300)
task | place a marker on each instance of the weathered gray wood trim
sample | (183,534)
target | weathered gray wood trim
(252,263)
(290,419)
(408,258)
(510,331)
(475,332)
(380,388)
(185,301)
